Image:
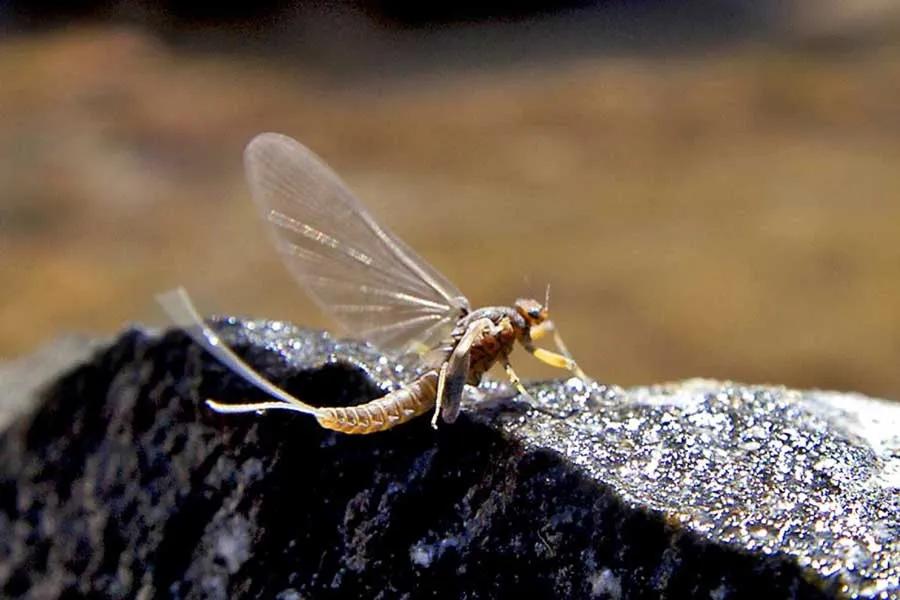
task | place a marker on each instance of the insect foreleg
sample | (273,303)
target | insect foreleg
(556,360)
(539,331)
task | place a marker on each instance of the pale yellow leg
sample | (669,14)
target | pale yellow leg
(517,383)
(438,401)
(559,361)
(539,331)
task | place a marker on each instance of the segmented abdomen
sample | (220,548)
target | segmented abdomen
(383,413)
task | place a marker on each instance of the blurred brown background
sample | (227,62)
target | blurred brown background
(712,189)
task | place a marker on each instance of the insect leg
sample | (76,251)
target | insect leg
(539,331)
(439,399)
(557,360)
(514,379)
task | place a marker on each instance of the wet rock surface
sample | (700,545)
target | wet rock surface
(121,483)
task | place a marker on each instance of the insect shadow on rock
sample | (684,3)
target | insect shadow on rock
(377,288)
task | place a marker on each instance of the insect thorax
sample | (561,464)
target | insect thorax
(487,348)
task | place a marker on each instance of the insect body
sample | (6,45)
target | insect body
(378,289)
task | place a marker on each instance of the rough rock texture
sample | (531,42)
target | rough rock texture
(122,484)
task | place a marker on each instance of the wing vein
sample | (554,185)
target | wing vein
(355,269)
(314,235)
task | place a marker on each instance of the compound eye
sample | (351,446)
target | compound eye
(534,313)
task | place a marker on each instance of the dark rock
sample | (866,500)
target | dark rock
(120,483)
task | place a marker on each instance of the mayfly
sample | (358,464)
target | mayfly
(377,288)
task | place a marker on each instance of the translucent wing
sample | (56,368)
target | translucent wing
(357,271)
